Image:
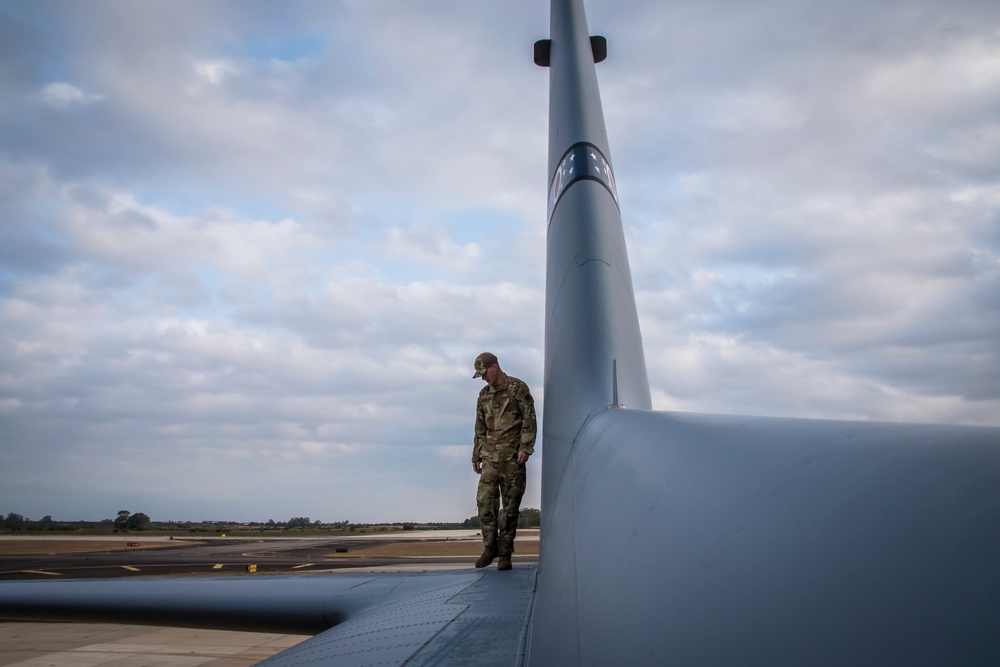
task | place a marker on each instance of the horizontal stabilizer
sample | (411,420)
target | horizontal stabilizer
(296,605)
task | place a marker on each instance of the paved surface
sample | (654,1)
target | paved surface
(229,556)
(94,645)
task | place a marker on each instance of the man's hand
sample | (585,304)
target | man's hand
(522,457)
(477,467)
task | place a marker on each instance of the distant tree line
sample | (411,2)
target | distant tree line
(528,518)
(127,521)
(17,522)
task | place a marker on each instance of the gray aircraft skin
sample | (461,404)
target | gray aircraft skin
(670,538)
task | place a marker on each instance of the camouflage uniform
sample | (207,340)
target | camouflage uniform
(505,425)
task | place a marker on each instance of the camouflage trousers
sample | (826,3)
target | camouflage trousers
(506,480)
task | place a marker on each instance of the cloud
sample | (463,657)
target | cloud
(217,337)
(248,253)
(829,212)
(64,95)
(758,109)
(429,243)
(216,71)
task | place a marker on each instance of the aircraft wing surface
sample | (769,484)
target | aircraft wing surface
(457,617)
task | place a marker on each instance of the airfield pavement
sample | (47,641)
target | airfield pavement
(96,645)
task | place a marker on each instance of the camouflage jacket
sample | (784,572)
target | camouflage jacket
(505,422)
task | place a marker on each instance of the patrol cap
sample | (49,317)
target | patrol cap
(483,362)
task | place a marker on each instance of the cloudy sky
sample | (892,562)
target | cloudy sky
(248,250)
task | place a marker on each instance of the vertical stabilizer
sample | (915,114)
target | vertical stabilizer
(591,326)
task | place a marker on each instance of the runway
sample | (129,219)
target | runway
(232,556)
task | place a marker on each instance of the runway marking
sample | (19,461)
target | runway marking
(297,567)
(51,574)
(130,568)
(218,566)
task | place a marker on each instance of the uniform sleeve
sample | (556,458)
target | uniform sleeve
(529,427)
(479,436)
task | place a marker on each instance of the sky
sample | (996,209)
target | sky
(249,250)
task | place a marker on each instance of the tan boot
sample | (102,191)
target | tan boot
(489,553)
(504,563)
